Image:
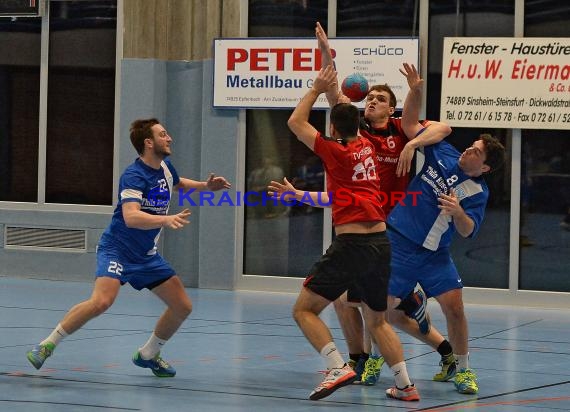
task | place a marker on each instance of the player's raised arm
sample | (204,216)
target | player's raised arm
(333,92)
(299,120)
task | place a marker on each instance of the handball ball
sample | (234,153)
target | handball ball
(355,87)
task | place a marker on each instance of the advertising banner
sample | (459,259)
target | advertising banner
(277,72)
(521,83)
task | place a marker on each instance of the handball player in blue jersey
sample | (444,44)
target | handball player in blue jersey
(452,198)
(127,250)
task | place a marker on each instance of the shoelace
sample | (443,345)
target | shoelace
(465,377)
(162,363)
(331,377)
(369,367)
(45,351)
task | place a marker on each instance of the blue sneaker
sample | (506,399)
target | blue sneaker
(419,313)
(157,365)
(466,381)
(358,368)
(372,370)
(38,355)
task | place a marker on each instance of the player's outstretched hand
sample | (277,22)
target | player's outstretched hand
(283,191)
(449,204)
(325,79)
(217,182)
(322,37)
(178,220)
(412,76)
(405,161)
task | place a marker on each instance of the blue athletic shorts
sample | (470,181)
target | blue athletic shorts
(411,263)
(148,273)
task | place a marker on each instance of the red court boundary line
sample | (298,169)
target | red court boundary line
(482,405)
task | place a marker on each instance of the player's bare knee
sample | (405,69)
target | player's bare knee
(295,313)
(397,318)
(375,320)
(185,309)
(100,305)
(453,311)
(299,314)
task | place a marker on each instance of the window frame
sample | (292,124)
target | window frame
(41,204)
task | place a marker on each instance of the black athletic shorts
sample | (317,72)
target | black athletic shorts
(354,261)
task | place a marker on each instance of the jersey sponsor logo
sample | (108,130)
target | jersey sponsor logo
(157,198)
(387,159)
(363,153)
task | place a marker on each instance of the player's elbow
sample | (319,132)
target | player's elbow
(130,220)
(445,130)
(292,122)
(441,130)
(466,232)
(294,125)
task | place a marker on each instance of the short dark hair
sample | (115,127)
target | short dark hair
(494,151)
(387,89)
(141,130)
(345,118)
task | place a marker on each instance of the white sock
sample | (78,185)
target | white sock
(151,347)
(332,356)
(401,375)
(374,350)
(462,361)
(56,336)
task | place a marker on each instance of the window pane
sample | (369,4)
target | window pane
(545,211)
(280,240)
(547,18)
(489,18)
(20,43)
(545,180)
(286,18)
(368,18)
(81,99)
(483,261)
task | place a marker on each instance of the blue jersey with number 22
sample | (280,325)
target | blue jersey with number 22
(152,189)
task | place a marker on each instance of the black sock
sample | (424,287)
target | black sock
(445,349)
(354,356)
(364,356)
(408,304)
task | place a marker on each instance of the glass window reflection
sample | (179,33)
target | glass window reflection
(285,18)
(280,240)
(483,261)
(20,42)
(368,18)
(545,180)
(81,102)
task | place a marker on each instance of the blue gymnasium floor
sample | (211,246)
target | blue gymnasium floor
(241,351)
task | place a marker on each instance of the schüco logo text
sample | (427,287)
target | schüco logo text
(381,50)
